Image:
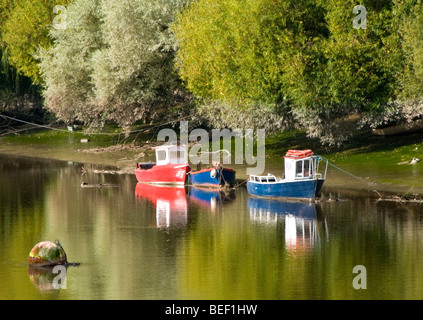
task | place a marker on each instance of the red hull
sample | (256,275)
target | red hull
(163,174)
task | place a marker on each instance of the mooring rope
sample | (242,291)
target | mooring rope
(90,133)
(213,152)
(32,124)
(348,173)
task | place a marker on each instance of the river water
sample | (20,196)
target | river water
(143,242)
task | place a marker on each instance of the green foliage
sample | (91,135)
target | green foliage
(277,64)
(66,67)
(407,42)
(410,21)
(352,71)
(133,73)
(304,57)
(229,50)
(25,31)
(113,62)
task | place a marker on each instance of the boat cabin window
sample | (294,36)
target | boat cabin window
(161,155)
(298,168)
(269,178)
(171,154)
(304,168)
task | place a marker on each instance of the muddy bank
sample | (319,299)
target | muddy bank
(91,150)
(381,172)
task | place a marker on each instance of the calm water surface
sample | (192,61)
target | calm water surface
(143,242)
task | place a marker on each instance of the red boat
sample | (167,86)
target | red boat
(171,166)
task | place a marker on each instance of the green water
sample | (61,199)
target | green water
(136,243)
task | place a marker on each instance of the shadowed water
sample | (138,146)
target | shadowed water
(144,242)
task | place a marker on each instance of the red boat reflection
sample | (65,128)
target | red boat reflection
(171,203)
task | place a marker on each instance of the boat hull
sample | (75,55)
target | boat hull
(306,189)
(212,177)
(163,174)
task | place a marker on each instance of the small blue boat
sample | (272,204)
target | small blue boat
(302,180)
(215,177)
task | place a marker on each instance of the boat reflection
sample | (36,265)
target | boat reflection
(299,219)
(210,198)
(170,201)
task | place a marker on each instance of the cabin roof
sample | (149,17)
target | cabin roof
(299,154)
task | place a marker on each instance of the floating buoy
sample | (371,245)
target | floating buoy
(47,253)
(213,173)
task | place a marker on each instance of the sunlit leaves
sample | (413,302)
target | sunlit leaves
(25,30)
(113,62)
(304,56)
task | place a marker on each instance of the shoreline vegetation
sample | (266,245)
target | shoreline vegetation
(322,67)
(314,74)
(382,165)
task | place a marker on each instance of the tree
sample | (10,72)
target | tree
(25,31)
(66,66)
(349,72)
(6,72)
(410,19)
(18,94)
(228,50)
(133,73)
(302,58)
(405,56)
(113,62)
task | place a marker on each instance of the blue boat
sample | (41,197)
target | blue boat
(215,177)
(302,180)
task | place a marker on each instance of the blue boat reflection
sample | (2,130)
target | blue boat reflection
(299,220)
(277,207)
(170,201)
(210,198)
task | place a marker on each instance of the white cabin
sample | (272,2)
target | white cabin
(170,154)
(300,168)
(299,165)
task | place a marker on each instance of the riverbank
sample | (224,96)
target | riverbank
(374,164)
(100,150)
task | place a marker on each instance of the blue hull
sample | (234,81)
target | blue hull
(206,178)
(296,189)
